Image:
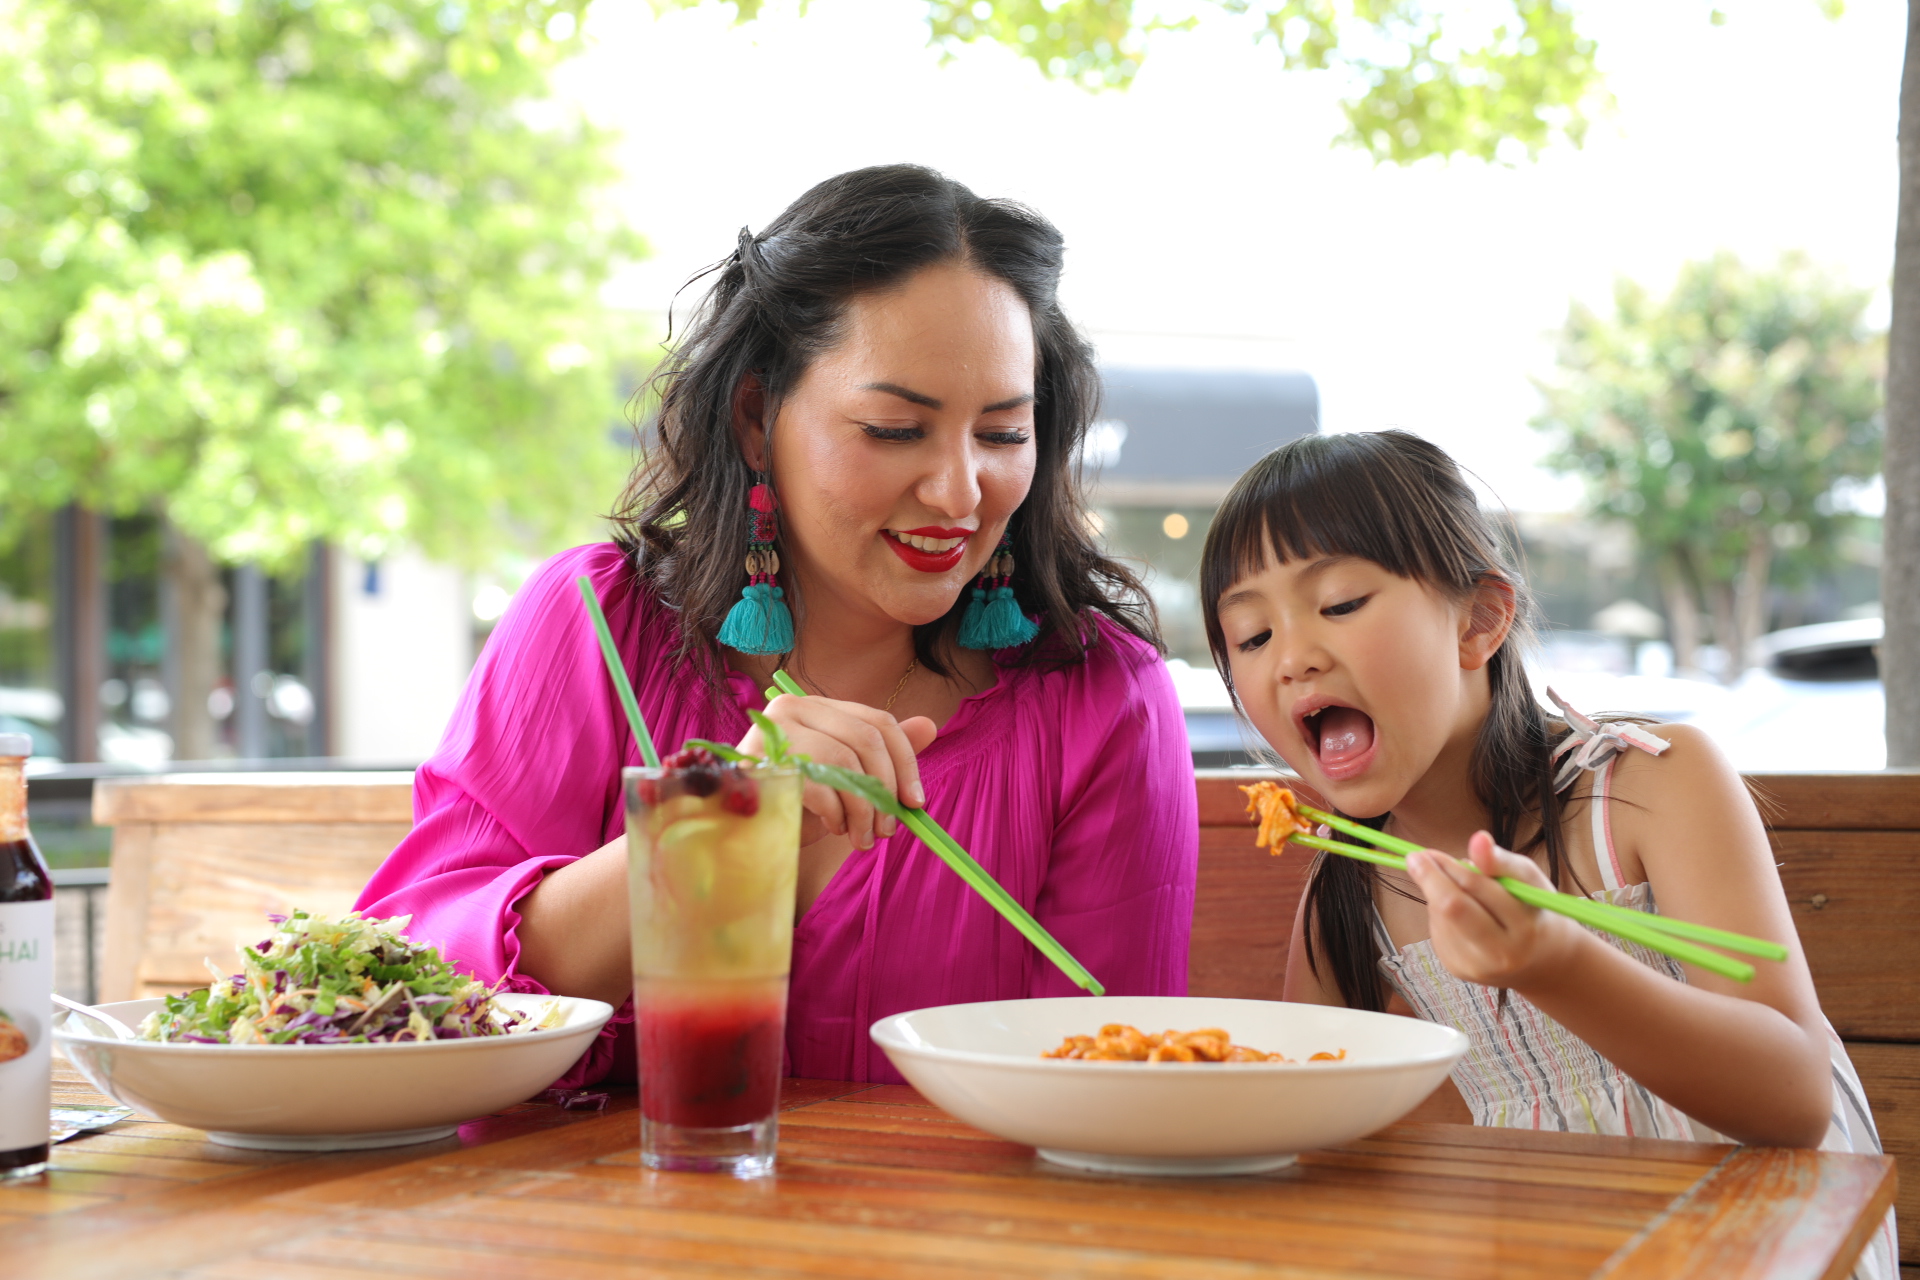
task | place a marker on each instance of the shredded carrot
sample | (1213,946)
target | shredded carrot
(1279,815)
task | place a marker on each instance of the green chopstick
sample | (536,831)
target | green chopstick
(1582,910)
(1663,924)
(618,674)
(948,850)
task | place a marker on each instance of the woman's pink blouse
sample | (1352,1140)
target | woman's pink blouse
(1074,788)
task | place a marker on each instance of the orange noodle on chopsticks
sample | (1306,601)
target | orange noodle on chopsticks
(1284,819)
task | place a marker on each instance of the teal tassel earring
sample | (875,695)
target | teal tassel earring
(760,621)
(993,619)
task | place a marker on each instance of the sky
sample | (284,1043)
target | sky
(1210,222)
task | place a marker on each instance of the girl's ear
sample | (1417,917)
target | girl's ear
(1488,618)
(749,421)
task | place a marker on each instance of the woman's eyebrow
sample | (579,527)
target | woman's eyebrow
(911,397)
(915,397)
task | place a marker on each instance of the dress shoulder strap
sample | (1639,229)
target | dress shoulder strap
(1591,745)
(1602,807)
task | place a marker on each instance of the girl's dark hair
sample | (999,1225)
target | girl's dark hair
(776,305)
(1401,502)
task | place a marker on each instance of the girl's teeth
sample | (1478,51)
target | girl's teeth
(935,545)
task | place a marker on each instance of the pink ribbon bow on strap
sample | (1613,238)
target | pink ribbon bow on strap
(1592,744)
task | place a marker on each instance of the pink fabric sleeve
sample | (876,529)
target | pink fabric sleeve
(1126,849)
(526,779)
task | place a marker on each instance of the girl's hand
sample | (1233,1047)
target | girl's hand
(1481,932)
(853,736)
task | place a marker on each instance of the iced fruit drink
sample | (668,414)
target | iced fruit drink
(713,851)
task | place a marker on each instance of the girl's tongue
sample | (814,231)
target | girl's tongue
(1345,734)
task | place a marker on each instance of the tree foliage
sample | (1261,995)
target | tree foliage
(298,269)
(1717,421)
(1426,83)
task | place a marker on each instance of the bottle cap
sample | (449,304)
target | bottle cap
(15,744)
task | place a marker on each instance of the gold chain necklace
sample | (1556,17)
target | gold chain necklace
(912,666)
(904,677)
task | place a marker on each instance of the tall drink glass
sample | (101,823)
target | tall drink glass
(712,853)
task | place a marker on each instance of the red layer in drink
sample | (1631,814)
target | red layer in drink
(711,1064)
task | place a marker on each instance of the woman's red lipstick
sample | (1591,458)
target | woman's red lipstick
(929,561)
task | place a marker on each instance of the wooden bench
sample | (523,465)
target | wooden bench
(199,860)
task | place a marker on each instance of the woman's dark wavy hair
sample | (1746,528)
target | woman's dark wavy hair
(777,304)
(1401,502)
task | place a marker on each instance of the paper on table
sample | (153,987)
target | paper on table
(71,1121)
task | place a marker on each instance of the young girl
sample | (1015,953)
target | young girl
(1361,609)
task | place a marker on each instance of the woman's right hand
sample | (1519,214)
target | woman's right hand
(853,736)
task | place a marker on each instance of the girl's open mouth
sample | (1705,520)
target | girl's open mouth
(1341,738)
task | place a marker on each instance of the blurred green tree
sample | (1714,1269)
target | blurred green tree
(1497,81)
(285,270)
(1715,423)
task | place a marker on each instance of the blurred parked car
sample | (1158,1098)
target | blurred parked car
(1814,703)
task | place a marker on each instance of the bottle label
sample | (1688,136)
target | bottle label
(26,1017)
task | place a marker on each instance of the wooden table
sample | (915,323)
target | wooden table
(875,1182)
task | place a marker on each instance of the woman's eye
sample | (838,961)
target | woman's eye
(1005,437)
(1345,607)
(899,434)
(1254,642)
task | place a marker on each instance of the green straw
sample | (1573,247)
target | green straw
(1663,924)
(618,674)
(935,837)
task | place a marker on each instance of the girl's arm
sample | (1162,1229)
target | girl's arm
(1747,1059)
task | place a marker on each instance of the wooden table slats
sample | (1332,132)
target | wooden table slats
(875,1182)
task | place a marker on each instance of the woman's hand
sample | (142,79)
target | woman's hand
(1481,932)
(853,736)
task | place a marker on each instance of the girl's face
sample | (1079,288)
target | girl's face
(1359,678)
(901,453)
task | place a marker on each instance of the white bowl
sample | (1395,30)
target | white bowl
(331,1097)
(982,1064)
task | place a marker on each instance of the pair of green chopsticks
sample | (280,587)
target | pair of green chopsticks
(1659,933)
(870,789)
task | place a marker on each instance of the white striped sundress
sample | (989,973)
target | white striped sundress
(1523,1070)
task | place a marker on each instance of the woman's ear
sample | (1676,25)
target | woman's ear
(1489,616)
(749,421)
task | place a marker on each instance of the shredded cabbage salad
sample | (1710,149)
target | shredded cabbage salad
(344,981)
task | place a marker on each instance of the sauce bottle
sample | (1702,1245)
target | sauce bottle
(26,974)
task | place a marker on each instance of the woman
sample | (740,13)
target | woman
(890,362)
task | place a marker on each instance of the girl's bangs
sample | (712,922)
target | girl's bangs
(1337,496)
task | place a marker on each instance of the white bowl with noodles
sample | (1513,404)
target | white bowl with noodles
(331,1097)
(982,1064)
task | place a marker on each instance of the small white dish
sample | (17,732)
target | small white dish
(331,1097)
(981,1063)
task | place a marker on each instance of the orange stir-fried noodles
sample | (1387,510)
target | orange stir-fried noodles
(1118,1042)
(1279,815)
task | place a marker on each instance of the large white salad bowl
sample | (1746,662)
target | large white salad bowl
(982,1064)
(330,1097)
